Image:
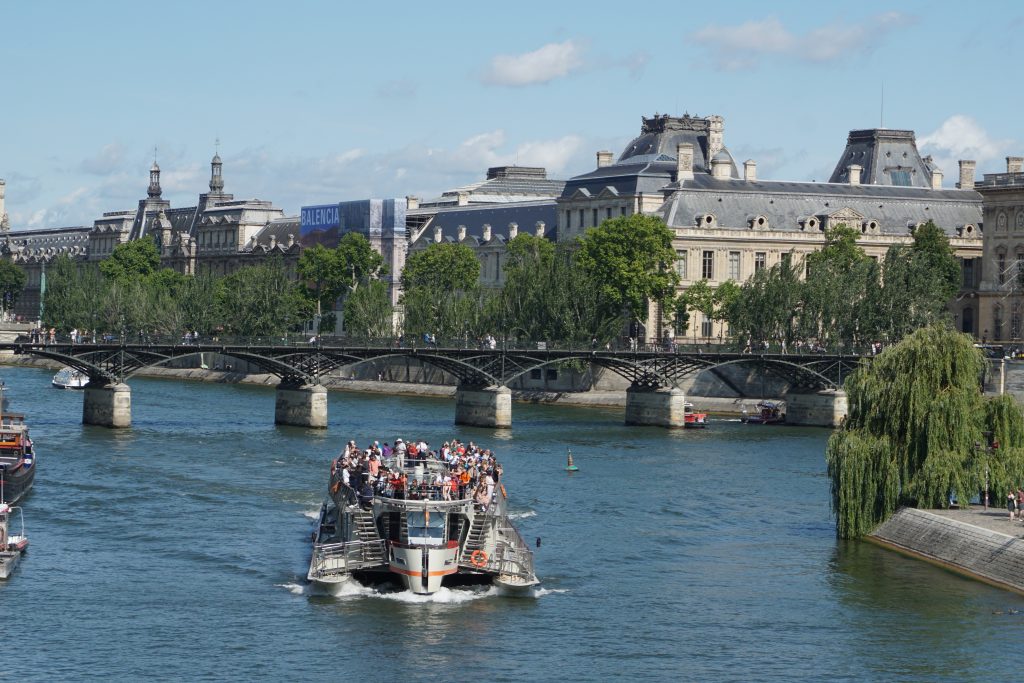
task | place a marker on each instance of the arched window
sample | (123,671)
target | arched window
(967,320)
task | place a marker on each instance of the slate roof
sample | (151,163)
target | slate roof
(498,216)
(503,184)
(735,202)
(887,157)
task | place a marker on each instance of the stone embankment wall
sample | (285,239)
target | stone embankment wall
(981,553)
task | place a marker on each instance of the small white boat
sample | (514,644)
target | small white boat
(69,378)
(11,545)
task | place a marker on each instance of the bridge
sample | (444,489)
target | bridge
(482,396)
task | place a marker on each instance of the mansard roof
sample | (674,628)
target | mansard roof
(498,216)
(886,157)
(786,204)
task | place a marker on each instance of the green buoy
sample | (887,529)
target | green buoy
(569,467)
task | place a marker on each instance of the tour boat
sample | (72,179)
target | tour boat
(69,378)
(768,413)
(17,455)
(415,538)
(11,545)
(693,419)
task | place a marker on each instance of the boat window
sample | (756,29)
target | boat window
(426,528)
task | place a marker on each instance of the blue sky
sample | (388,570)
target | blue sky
(318,102)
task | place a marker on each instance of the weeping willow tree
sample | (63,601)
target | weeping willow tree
(919,432)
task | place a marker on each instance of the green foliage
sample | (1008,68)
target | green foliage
(915,433)
(333,274)
(840,276)
(368,311)
(441,267)
(262,301)
(12,283)
(631,259)
(549,296)
(131,260)
(768,305)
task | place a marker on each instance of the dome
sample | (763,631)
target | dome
(721,158)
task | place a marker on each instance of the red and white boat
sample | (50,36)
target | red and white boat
(11,545)
(694,419)
(768,413)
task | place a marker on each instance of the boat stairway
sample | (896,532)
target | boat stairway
(366,531)
(475,539)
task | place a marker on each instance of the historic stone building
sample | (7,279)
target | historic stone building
(728,226)
(219,234)
(1000,295)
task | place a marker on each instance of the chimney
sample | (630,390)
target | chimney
(462,232)
(966,175)
(854,170)
(539,229)
(412,202)
(513,230)
(604,158)
(273,242)
(720,167)
(936,179)
(438,233)
(463,198)
(684,161)
(750,170)
(291,240)
(716,135)
(1013,165)
(487,232)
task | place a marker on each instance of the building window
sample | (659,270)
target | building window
(568,219)
(550,373)
(708,265)
(535,373)
(760,258)
(594,217)
(734,265)
(1001,266)
(787,259)
(582,219)
(681,257)
(608,213)
(705,328)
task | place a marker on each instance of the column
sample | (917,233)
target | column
(662,407)
(825,408)
(301,405)
(483,406)
(107,405)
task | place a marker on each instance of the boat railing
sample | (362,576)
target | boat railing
(512,557)
(341,558)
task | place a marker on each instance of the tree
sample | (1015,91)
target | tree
(631,259)
(840,277)
(368,311)
(333,274)
(359,262)
(262,301)
(442,267)
(916,432)
(12,283)
(768,305)
(131,260)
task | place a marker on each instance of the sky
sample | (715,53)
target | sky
(320,102)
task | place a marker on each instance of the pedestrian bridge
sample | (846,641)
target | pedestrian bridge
(482,396)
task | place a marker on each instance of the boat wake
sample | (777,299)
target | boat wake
(523,515)
(293,588)
(312,514)
(445,596)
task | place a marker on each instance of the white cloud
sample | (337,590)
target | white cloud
(107,160)
(744,45)
(961,137)
(543,65)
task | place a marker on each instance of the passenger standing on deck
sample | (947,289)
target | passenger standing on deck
(400,450)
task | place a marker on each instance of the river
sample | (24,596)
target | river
(178,550)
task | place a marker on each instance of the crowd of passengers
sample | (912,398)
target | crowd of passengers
(468,471)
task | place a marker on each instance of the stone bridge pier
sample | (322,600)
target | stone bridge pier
(301,405)
(483,406)
(658,407)
(825,408)
(107,405)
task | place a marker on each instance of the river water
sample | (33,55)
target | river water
(178,550)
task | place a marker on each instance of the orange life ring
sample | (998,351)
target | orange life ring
(478,558)
(335,486)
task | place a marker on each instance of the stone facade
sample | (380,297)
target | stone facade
(1000,295)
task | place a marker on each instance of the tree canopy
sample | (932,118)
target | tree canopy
(130,260)
(630,258)
(918,430)
(441,267)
